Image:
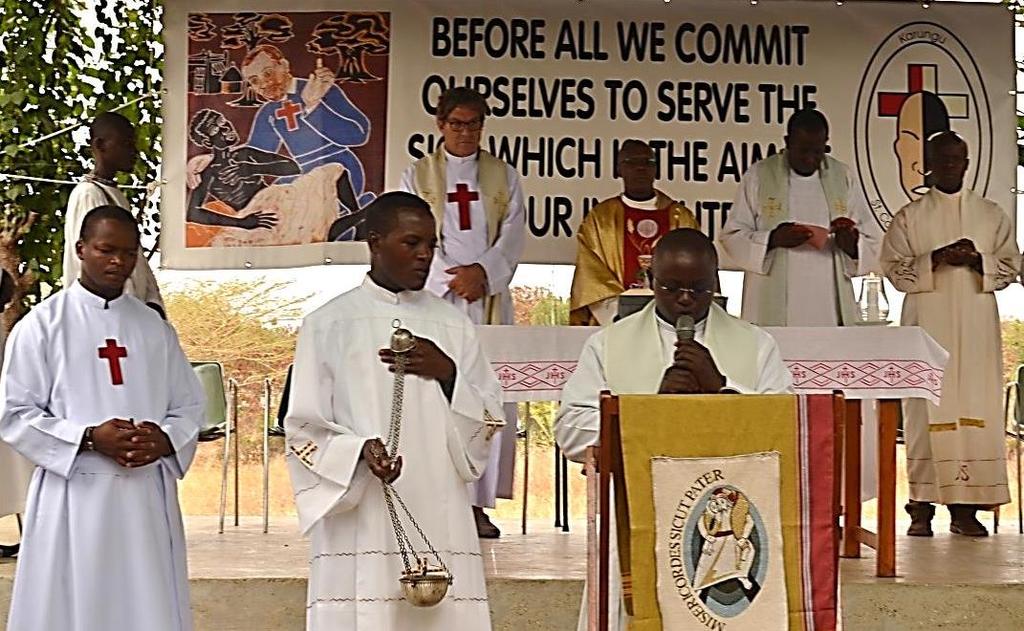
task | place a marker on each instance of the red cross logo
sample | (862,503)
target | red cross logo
(463,196)
(922,78)
(289,112)
(113,354)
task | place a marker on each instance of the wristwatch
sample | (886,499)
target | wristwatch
(87,443)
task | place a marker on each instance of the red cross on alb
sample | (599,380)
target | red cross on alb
(113,354)
(289,112)
(463,196)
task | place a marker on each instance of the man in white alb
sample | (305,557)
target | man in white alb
(950,251)
(478,206)
(112,140)
(340,413)
(800,229)
(97,393)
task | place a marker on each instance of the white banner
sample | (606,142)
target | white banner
(719,543)
(710,85)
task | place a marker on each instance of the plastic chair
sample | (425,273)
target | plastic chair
(272,431)
(219,424)
(1013,430)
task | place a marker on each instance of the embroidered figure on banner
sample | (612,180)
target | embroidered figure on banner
(286,123)
(727,559)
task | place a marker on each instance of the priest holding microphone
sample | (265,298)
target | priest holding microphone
(680,343)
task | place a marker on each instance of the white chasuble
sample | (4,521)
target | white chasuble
(15,472)
(341,397)
(955,451)
(103,545)
(812,295)
(578,424)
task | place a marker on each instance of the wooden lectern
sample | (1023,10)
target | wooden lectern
(605,461)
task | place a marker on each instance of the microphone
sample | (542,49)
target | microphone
(685,328)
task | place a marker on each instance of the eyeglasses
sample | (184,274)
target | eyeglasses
(474,125)
(640,162)
(680,291)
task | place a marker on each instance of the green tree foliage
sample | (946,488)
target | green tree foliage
(55,73)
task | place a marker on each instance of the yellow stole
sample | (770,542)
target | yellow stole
(492,175)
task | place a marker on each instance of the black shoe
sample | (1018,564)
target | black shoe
(963,521)
(9,552)
(485,529)
(921,514)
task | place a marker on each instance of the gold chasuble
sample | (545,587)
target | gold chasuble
(431,183)
(600,270)
(725,511)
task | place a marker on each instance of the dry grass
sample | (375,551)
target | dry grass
(200,491)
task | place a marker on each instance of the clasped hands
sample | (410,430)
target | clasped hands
(693,371)
(961,253)
(469,282)
(792,235)
(131,445)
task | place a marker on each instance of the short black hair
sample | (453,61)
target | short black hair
(807,119)
(633,143)
(688,239)
(382,213)
(462,97)
(108,123)
(944,139)
(115,213)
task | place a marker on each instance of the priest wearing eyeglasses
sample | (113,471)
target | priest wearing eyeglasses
(478,208)
(642,354)
(617,237)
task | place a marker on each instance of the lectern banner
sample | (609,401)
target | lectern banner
(728,519)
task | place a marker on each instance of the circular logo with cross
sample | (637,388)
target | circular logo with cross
(920,81)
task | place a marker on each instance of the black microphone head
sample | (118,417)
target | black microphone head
(685,328)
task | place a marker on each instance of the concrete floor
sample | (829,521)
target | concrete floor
(947,582)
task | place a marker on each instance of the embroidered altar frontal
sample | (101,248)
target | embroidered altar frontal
(729,519)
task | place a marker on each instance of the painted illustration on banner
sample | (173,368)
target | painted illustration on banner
(921,80)
(719,542)
(286,126)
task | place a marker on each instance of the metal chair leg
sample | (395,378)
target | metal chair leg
(266,455)
(232,386)
(558,487)
(526,462)
(234,422)
(565,494)
(1020,507)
